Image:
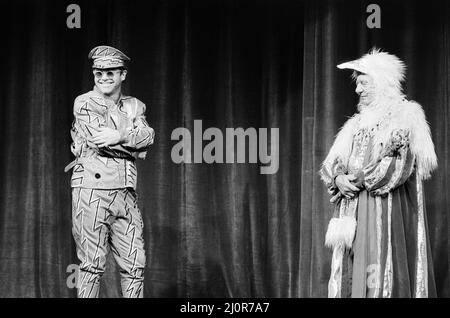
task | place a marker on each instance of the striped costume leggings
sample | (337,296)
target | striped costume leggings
(103,219)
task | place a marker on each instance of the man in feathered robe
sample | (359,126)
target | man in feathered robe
(374,173)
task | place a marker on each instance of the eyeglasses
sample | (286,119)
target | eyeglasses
(109,73)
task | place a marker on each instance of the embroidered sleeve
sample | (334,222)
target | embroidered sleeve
(329,172)
(335,164)
(88,119)
(141,135)
(394,167)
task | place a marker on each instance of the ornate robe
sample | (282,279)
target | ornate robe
(379,237)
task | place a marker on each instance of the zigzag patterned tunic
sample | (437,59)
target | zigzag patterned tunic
(104,202)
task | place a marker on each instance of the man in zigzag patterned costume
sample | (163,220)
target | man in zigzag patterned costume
(109,133)
(374,173)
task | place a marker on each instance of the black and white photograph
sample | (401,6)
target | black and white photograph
(235,150)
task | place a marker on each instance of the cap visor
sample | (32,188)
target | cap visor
(351,66)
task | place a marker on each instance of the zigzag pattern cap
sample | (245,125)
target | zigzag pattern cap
(105,57)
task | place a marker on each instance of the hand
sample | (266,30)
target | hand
(336,197)
(106,136)
(343,182)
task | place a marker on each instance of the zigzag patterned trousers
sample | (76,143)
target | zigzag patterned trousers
(102,219)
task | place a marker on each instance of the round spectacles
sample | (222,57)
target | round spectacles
(109,73)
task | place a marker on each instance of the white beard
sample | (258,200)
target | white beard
(372,112)
(363,105)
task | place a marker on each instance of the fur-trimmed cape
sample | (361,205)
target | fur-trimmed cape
(393,115)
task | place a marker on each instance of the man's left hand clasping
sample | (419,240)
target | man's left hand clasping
(106,136)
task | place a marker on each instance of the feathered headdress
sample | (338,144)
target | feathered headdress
(387,70)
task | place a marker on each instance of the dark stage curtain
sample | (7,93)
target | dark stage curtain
(211,230)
